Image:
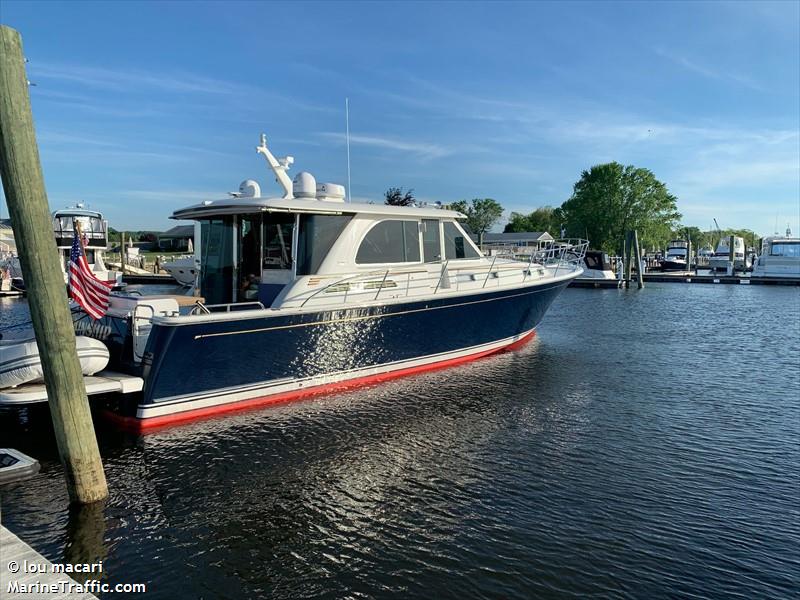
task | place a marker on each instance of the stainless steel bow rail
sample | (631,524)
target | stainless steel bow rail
(558,255)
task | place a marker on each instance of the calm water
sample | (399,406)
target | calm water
(645,445)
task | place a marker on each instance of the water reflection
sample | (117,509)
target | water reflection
(85,537)
(604,456)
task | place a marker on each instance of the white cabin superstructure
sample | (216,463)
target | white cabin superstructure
(780,257)
(310,249)
(721,258)
(94,232)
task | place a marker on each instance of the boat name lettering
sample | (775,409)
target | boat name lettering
(93,329)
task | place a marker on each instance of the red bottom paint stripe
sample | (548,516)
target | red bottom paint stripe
(136,425)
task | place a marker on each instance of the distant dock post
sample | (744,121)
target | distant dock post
(23,184)
(731,256)
(626,258)
(122,252)
(688,254)
(638,252)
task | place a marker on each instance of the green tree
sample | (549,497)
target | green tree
(544,218)
(481,213)
(610,199)
(396,197)
(699,238)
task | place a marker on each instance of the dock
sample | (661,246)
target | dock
(21,585)
(690,277)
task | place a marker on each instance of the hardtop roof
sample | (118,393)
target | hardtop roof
(307,206)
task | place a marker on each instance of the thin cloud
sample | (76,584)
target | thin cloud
(424,150)
(706,71)
(125,80)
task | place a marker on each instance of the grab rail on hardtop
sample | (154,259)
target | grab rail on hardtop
(555,255)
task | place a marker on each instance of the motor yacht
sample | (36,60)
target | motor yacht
(780,257)
(675,259)
(721,258)
(598,272)
(304,293)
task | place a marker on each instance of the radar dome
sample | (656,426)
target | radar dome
(249,189)
(330,192)
(304,185)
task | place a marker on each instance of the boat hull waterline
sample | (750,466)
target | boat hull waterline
(247,362)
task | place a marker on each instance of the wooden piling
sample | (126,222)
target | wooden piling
(731,255)
(122,252)
(628,261)
(23,184)
(688,253)
(639,269)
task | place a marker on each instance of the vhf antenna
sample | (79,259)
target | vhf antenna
(347,137)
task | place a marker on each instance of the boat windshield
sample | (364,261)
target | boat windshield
(93,229)
(785,249)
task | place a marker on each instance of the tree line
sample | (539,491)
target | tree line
(608,200)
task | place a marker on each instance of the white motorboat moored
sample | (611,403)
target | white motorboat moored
(183,270)
(597,272)
(780,257)
(721,258)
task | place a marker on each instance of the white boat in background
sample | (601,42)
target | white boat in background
(780,257)
(721,258)
(675,259)
(95,240)
(598,272)
(183,270)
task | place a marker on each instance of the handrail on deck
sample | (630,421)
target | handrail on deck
(556,255)
(206,309)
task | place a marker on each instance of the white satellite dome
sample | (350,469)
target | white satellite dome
(304,185)
(249,189)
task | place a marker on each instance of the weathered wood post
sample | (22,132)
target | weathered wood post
(628,261)
(30,216)
(731,257)
(639,269)
(688,254)
(122,252)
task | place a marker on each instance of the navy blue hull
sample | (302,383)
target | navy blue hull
(187,362)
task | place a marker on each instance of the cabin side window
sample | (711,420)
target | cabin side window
(785,249)
(431,242)
(390,242)
(315,238)
(456,244)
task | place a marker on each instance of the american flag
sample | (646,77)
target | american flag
(86,289)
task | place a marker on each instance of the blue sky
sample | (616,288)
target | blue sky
(142,108)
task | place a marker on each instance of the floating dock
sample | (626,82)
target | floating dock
(16,554)
(690,277)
